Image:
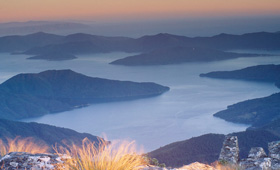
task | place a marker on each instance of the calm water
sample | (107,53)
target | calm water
(183,112)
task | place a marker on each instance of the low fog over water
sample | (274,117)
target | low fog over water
(181,113)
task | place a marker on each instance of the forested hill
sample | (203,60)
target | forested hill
(256,112)
(42,134)
(263,73)
(32,95)
(206,148)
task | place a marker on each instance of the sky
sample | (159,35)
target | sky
(26,10)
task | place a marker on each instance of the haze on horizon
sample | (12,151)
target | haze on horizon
(25,10)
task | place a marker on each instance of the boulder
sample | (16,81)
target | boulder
(257,153)
(255,164)
(230,150)
(274,153)
(274,150)
(24,161)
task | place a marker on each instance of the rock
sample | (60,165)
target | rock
(274,153)
(257,160)
(256,153)
(197,166)
(23,161)
(154,168)
(274,150)
(230,150)
(255,164)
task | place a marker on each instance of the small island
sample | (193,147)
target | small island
(53,57)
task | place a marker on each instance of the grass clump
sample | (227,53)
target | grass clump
(19,144)
(103,156)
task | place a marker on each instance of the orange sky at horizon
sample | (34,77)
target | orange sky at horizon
(23,10)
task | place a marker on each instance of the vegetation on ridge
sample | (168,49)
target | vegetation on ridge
(52,91)
(89,156)
(19,144)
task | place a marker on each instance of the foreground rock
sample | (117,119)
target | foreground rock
(274,153)
(230,150)
(257,158)
(26,161)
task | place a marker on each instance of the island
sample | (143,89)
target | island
(53,57)
(52,91)
(178,55)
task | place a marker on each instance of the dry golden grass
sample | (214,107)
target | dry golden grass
(118,156)
(21,145)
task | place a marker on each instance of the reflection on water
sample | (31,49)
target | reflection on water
(183,112)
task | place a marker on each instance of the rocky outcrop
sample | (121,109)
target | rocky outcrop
(257,158)
(230,150)
(26,161)
(274,154)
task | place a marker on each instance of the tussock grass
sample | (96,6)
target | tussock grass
(90,156)
(22,145)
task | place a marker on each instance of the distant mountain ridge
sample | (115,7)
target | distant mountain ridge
(29,27)
(177,55)
(32,95)
(86,43)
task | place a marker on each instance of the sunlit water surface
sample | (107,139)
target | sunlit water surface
(181,113)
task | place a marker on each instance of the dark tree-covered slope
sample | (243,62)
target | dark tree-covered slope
(49,135)
(31,95)
(264,73)
(257,112)
(206,148)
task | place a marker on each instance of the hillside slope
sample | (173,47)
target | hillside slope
(257,112)
(206,148)
(31,95)
(41,133)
